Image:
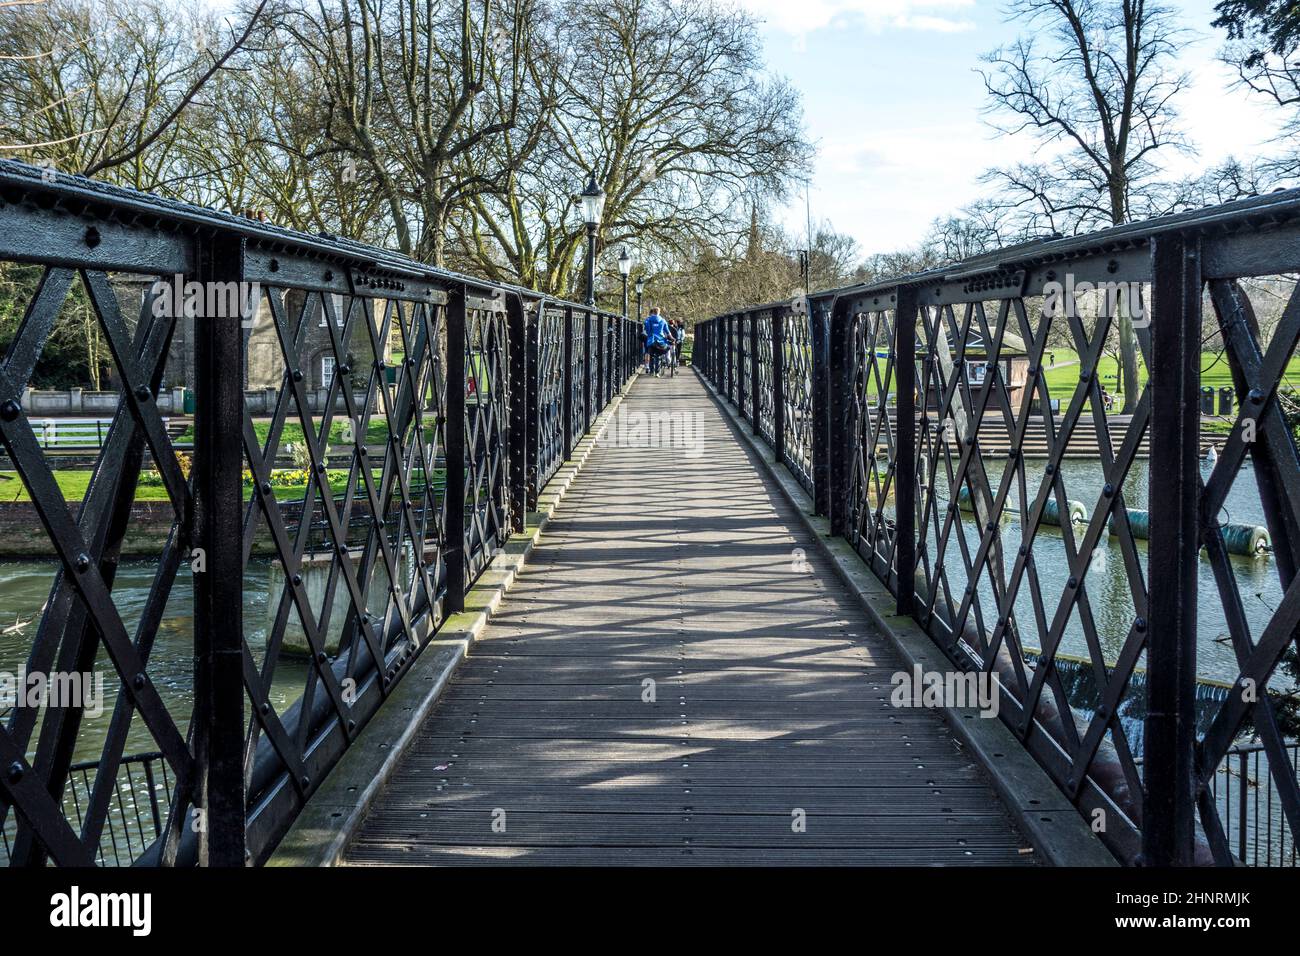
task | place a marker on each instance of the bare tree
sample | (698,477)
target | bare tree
(980,228)
(100,87)
(256,144)
(667,104)
(407,90)
(1264,48)
(1095,83)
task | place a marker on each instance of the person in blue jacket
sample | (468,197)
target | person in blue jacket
(658,340)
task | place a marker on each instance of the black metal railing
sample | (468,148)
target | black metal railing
(480,391)
(965,429)
(140,802)
(1251,807)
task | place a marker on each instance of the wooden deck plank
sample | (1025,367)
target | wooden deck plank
(770,696)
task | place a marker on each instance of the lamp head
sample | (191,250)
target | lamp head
(593,202)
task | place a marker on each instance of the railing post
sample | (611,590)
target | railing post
(455,455)
(1168,805)
(219,721)
(839,354)
(534,338)
(819,320)
(567,373)
(755,400)
(588,372)
(905,306)
(522,409)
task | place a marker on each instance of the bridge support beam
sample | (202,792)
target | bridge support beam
(1168,806)
(455,454)
(219,721)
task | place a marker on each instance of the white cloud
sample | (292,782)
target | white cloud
(935,24)
(805,16)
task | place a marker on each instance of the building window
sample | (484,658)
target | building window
(326,371)
(337,301)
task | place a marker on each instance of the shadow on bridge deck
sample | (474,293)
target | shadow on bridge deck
(667,684)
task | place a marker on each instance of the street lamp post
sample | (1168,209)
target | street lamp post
(640,288)
(624,267)
(593,204)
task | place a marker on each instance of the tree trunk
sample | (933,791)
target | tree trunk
(1128,372)
(1128,364)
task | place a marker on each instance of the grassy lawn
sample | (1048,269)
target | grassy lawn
(73,484)
(376,432)
(1064,376)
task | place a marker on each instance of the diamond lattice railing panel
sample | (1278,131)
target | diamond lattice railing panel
(487,516)
(86,611)
(1028,562)
(345,515)
(766,418)
(869,521)
(733,354)
(578,377)
(744,364)
(550,394)
(796,356)
(1249,802)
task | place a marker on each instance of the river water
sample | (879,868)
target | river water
(25,586)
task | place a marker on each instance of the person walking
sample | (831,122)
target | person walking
(657,341)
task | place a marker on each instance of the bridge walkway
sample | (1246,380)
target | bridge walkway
(669,684)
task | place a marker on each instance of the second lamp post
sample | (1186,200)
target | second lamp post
(625,268)
(593,204)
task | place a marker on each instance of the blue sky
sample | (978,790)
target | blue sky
(893,103)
